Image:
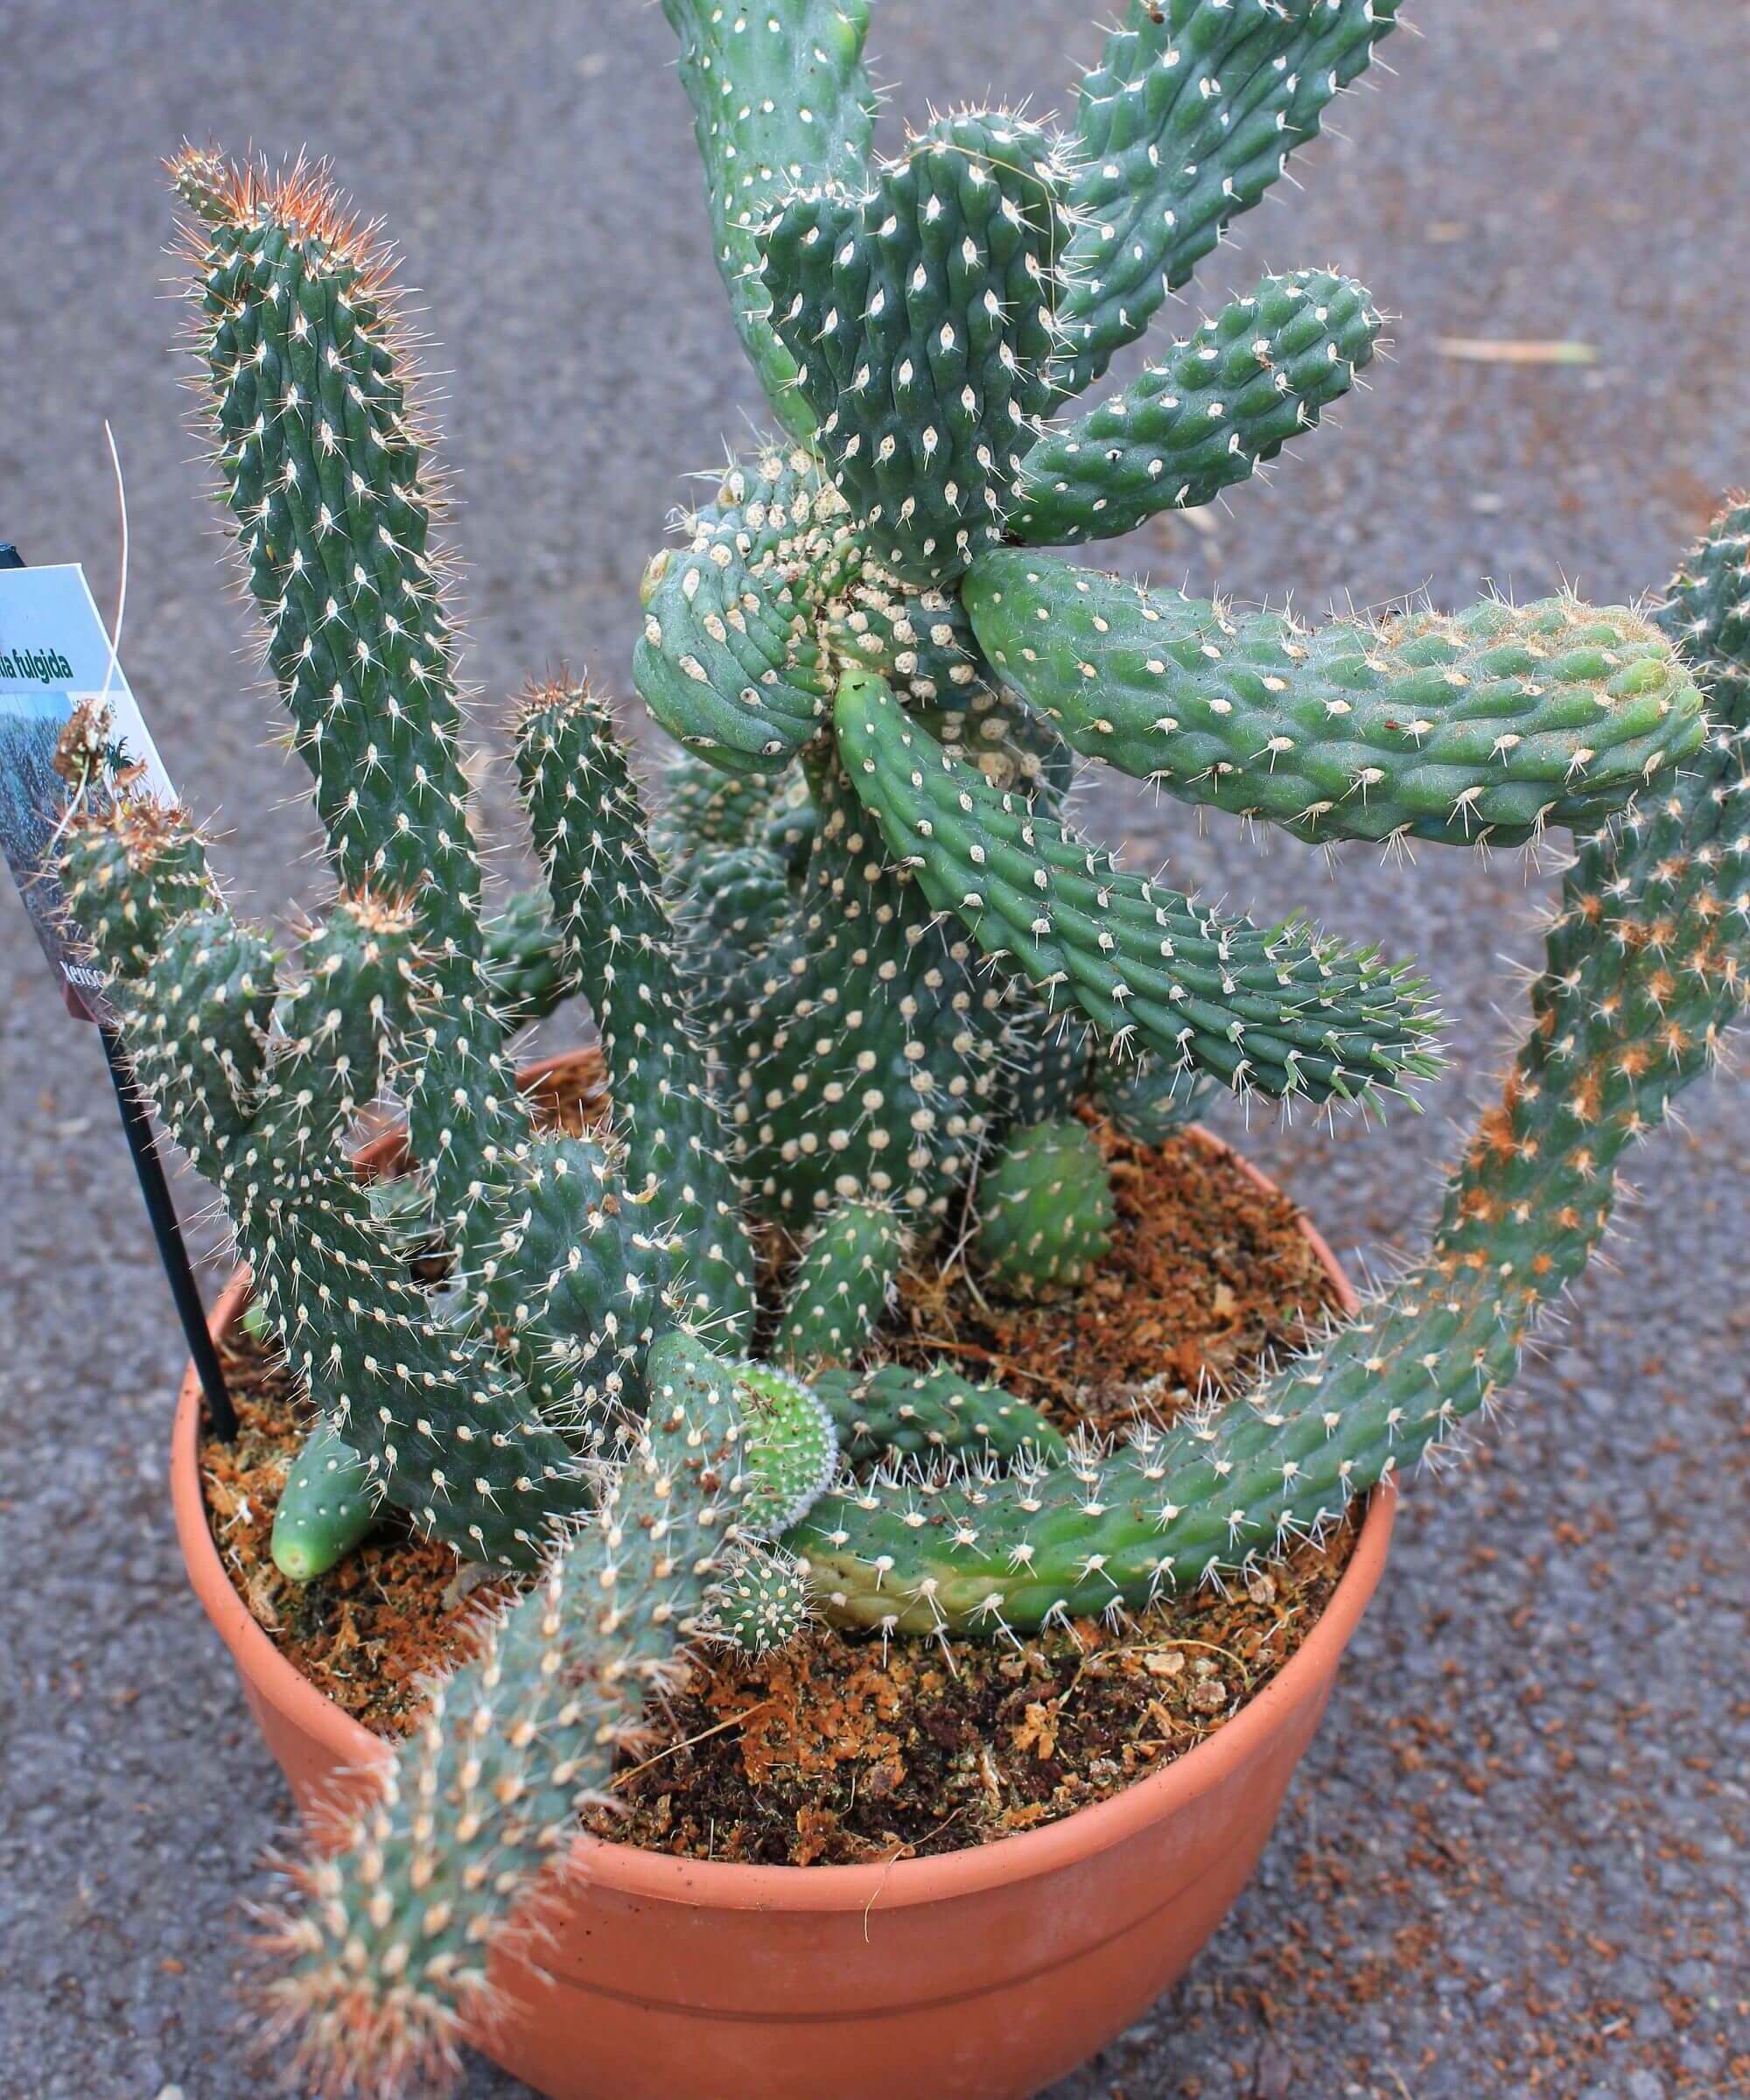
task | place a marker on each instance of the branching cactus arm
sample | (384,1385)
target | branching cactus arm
(1190,115)
(330,490)
(780,102)
(1488,724)
(1649,964)
(1285,1012)
(386,1940)
(590,829)
(441,1426)
(1203,418)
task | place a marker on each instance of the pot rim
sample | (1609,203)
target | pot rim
(723,1885)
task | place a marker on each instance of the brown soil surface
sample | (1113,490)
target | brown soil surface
(842,1749)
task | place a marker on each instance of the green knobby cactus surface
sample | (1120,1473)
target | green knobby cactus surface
(386,1937)
(920,318)
(441,1426)
(1647,964)
(842,1284)
(325,474)
(1230,396)
(890,1411)
(1281,1010)
(590,827)
(1044,1212)
(1187,119)
(1486,724)
(860,1042)
(779,101)
(523,956)
(1148,1101)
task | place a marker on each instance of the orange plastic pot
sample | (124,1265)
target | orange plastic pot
(983,1975)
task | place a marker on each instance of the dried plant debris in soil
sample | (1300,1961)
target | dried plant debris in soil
(848,1749)
(837,1751)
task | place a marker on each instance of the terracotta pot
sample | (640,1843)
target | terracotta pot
(983,1975)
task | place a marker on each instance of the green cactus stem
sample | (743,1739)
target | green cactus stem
(1190,115)
(385,1940)
(523,957)
(441,1429)
(1285,1012)
(704,810)
(1149,1102)
(327,479)
(729,660)
(1486,724)
(590,827)
(570,1284)
(779,101)
(1230,396)
(860,1044)
(889,1411)
(1044,1212)
(842,1286)
(328,1506)
(1649,962)
(920,318)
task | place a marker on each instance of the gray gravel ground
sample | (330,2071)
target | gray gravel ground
(1515,1861)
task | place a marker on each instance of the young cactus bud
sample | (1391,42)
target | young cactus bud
(843,1286)
(1044,1212)
(329,1504)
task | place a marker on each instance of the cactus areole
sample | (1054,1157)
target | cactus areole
(863,989)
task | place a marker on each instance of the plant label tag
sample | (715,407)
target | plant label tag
(71,735)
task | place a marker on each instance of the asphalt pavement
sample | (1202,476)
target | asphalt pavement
(1515,1860)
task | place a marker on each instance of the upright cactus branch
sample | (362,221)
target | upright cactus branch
(327,481)
(780,101)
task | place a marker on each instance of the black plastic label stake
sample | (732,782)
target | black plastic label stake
(58,673)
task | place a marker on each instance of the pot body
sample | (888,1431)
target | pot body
(984,1974)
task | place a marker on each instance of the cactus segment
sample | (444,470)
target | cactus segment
(779,101)
(1490,723)
(1188,118)
(920,641)
(790,1443)
(386,1941)
(742,902)
(1044,1212)
(1201,419)
(703,808)
(523,957)
(843,1285)
(441,1429)
(590,827)
(920,318)
(571,1287)
(359,995)
(1647,964)
(889,1411)
(326,479)
(1148,1102)
(1049,1059)
(1284,1010)
(859,1043)
(761,1604)
(329,1505)
(729,661)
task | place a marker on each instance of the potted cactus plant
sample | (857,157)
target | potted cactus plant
(851,985)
